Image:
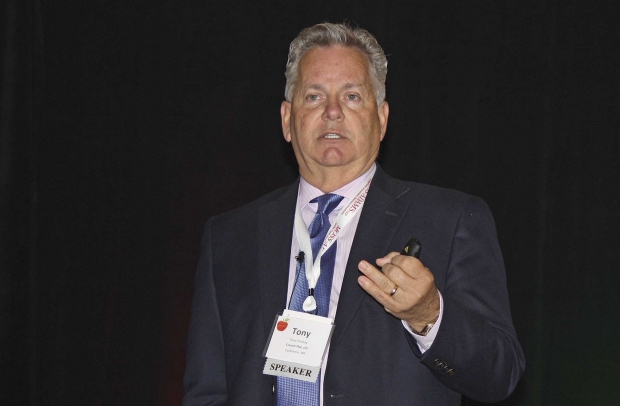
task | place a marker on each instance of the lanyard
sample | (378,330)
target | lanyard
(313,265)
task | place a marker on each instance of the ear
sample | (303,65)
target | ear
(285,113)
(384,112)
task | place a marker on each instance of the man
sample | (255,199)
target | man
(407,331)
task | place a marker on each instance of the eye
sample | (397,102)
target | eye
(312,97)
(352,96)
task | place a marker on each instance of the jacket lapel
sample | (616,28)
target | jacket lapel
(275,230)
(383,211)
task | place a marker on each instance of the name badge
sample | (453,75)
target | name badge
(297,345)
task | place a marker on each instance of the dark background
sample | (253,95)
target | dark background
(126,124)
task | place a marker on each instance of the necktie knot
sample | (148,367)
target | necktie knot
(327,202)
(319,226)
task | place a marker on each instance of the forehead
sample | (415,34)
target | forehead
(333,64)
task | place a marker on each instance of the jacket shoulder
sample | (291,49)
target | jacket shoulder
(441,200)
(435,206)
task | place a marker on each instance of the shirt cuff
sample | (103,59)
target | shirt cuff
(425,342)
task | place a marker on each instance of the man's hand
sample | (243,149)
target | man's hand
(415,300)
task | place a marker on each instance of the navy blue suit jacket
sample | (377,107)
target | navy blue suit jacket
(241,284)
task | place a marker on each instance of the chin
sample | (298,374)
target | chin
(335,157)
(334,162)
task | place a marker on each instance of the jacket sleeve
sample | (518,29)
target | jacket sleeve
(204,381)
(476,351)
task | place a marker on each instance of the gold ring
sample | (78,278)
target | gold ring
(394,290)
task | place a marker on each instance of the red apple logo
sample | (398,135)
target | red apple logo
(282,325)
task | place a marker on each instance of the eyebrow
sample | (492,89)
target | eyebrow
(316,86)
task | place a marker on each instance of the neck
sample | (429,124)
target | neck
(330,179)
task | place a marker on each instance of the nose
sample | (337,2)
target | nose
(333,111)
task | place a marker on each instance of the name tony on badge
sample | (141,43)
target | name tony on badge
(297,345)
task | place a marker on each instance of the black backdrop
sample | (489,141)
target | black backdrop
(125,125)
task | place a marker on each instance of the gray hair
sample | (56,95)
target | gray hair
(328,34)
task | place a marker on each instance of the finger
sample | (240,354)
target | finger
(375,291)
(411,266)
(386,259)
(397,276)
(376,277)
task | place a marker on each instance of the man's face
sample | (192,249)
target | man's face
(333,121)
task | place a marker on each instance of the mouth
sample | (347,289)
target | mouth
(332,136)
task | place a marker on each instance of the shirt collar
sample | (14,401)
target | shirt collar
(308,192)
